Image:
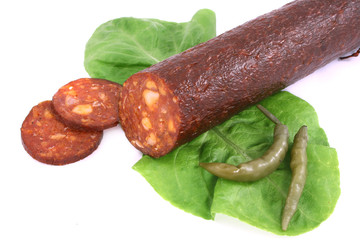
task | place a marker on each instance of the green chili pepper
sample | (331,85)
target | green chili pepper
(260,167)
(298,169)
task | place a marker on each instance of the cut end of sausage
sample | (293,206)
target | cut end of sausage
(88,103)
(49,141)
(149,114)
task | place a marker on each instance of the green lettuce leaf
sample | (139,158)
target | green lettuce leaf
(121,47)
(178,178)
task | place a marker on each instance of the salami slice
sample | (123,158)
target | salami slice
(88,103)
(174,101)
(49,141)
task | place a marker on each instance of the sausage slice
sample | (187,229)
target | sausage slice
(172,102)
(88,103)
(48,140)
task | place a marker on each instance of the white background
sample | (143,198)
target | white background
(41,48)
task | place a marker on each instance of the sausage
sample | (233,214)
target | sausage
(88,103)
(172,102)
(49,141)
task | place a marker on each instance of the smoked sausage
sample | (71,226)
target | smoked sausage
(172,102)
(88,103)
(49,141)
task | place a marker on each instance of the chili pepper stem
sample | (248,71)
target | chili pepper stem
(268,114)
